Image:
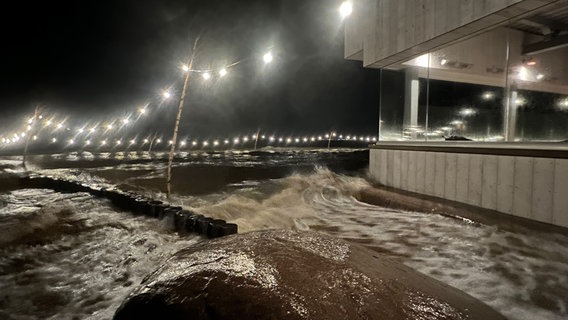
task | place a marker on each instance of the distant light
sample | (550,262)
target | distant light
(319,137)
(236,141)
(488,95)
(23,134)
(267,57)
(297,140)
(563,104)
(40,117)
(80,130)
(125,120)
(88,142)
(142,110)
(170,142)
(103,142)
(194,143)
(523,74)
(35,138)
(271,139)
(31,120)
(280,139)
(71,141)
(289,140)
(374,139)
(59,125)
(226,141)
(443,62)
(540,76)
(48,123)
(340,136)
(368,139)
(223,72)
(520,101)
(93,130)
(263,137)
(118,142)
(531,62)
(305,139)
(327,136)
(345,9)
(159,141)
(29,128)
(206,76)
(145,140)
(185,68)
(183,143)
(467,112)
(245,139)
(166,94)
(109,127)
(132,141)
(215,143)
(313,139)
(54,140)
(205,143)
(456,122)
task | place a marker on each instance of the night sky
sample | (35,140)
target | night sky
(99,59)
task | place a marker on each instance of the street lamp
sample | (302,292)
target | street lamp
(345,9)
(267,58)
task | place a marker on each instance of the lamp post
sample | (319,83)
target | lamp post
(178,118)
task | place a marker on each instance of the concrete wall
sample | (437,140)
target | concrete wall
(383,32)
(529,187)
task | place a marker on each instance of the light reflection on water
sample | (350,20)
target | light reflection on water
(522,274)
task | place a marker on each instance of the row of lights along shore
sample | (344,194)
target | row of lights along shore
(41,124)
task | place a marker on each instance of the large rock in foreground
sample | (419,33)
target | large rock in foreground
(293,275)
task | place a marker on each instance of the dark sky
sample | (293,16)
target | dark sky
(91,60)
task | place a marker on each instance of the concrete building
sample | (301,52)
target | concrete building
(493,71)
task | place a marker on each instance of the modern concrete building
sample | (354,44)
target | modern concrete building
(494,71)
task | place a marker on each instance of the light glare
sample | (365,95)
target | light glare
(345,9)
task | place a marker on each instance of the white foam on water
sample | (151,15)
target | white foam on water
(73,257)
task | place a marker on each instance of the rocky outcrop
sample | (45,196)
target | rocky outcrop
(293,275)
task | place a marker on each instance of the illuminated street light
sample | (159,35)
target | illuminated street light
(194,143)
(88,142)
(345,9)
(226,141)
(59,125)
(159,141)
(125,120)
(206,76)
(132,142)
(48,123)
(71,141)
(183,143)
(80,130)
(103,142)
(215,143)
(92,130)
(223,72)
(205,143)
(166,94)
(145,141)
(109,127)
(539,76)
(118,142)
(267,57)
(142,110)
(185,68)
(54,140)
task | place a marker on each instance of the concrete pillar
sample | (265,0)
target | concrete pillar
(411,92)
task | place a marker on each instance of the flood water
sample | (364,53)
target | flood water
(72,256)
